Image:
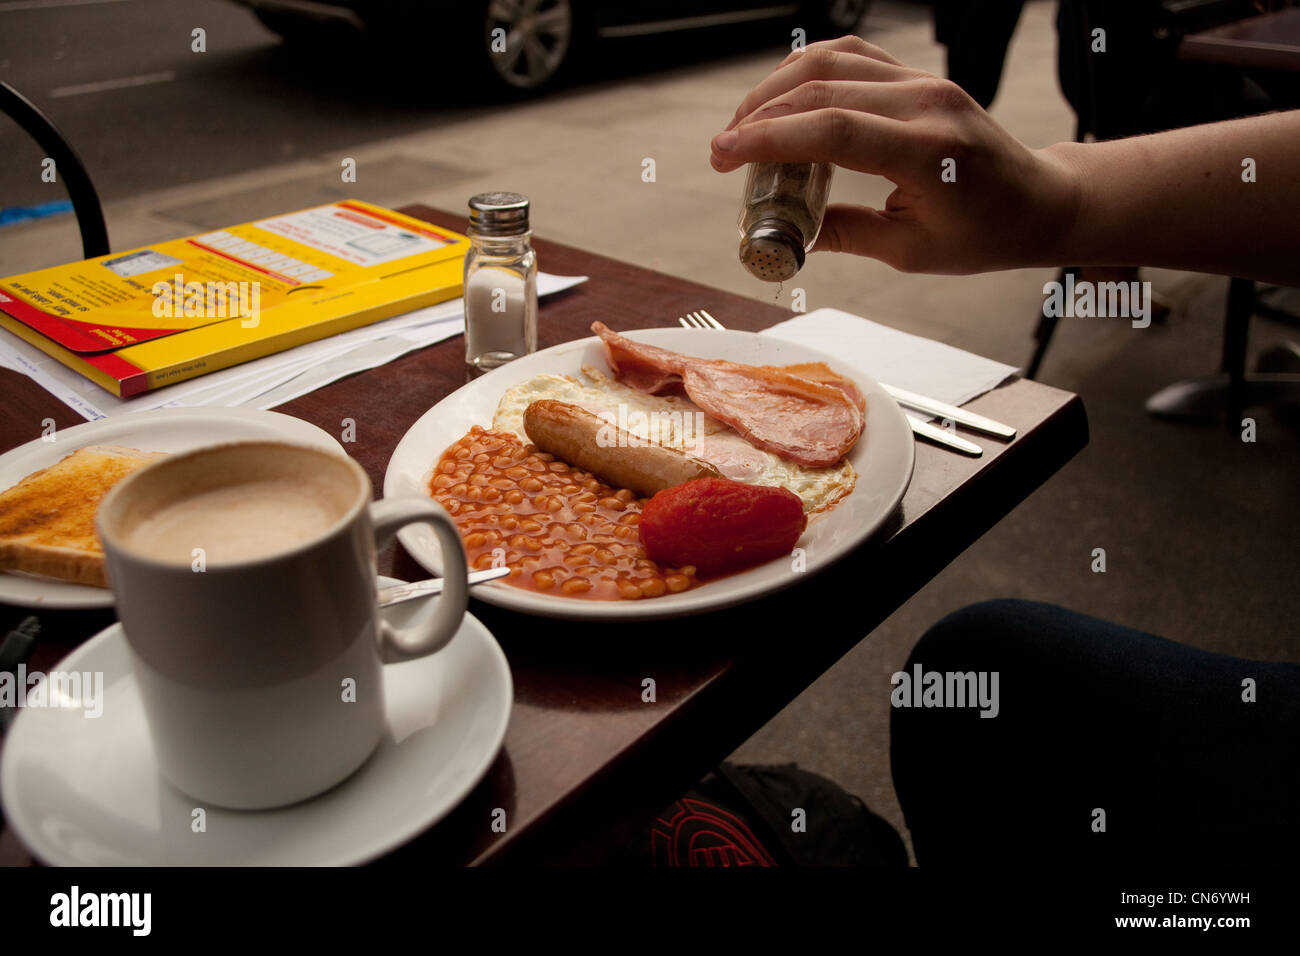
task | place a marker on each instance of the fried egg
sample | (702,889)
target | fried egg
(676,422)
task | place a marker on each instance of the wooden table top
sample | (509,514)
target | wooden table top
(1270,41)
(586,763)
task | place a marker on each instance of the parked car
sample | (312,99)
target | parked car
(523,45)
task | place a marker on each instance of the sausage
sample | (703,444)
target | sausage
(623,460)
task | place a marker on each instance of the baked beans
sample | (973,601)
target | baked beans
(561,530)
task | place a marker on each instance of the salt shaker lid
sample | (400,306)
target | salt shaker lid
(772,250)
(498,214)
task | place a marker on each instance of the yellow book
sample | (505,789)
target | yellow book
(150,317)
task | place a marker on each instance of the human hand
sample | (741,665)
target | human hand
(850,103)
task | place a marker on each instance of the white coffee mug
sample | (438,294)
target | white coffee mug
(260,674)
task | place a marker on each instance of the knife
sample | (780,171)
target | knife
(941,436)
(942,409)
(418,589)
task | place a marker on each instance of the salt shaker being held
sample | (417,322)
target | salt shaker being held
(500,282)
(781,215)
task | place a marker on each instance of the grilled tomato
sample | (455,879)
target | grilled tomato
(719,526)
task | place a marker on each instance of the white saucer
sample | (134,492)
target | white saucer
(81,791)
(165,429)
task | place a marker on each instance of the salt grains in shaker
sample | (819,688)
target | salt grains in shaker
(500,282)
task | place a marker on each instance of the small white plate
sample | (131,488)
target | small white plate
(166,429)
(883,458)
(81,791)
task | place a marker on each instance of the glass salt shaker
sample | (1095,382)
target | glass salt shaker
(781,215)
(500,282)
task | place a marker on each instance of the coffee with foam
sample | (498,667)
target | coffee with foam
(251,507)
(233,524)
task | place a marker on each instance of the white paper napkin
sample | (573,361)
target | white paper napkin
(265,382)
(895,358)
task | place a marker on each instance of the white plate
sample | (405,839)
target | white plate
(82,791)
(166,429)
(883,458)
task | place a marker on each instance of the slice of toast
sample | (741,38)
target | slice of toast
(47,520)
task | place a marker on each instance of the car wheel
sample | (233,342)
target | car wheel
(528,43)
(828,19)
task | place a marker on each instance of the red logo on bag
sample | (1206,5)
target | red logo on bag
(701,834)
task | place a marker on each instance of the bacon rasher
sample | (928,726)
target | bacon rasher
(810,422)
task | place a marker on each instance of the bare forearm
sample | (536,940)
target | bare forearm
(1188,199)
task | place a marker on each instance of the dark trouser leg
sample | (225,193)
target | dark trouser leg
(1097,716)
(977,35)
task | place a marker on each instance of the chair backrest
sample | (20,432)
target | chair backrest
(85,201)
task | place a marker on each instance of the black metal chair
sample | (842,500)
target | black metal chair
(1234,389)
(81,191)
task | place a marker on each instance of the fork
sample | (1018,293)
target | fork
(703,320)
